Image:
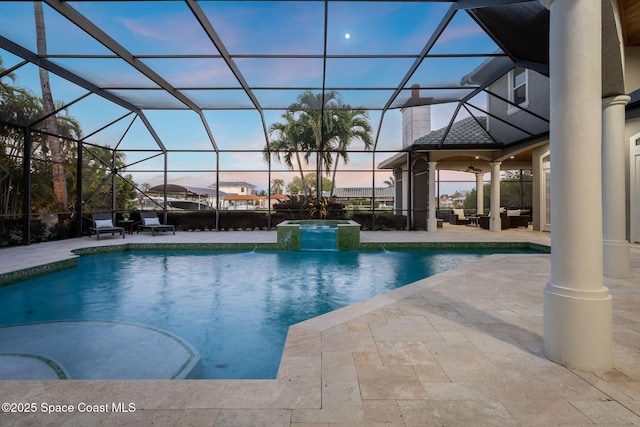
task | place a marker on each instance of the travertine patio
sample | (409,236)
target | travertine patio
(460,348)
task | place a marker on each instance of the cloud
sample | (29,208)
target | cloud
(141,29)
(461,32)
(174,30)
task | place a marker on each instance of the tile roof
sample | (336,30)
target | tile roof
(186,190)
(232,184)
(466,132)
(363,192)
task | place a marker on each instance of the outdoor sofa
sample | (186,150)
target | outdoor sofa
(512,218)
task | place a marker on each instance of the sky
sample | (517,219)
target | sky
(150,29)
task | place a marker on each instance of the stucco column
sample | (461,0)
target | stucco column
(405,193)
(495,223)
(479,194)
(577,306)
(432,221)
(615,245)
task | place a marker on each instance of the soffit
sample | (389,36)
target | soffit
(630,11)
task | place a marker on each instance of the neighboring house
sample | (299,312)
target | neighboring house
(241,202)
(237,202)
(181,197)
(364,198)
(235,187)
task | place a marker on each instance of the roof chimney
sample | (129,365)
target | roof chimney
(415,90)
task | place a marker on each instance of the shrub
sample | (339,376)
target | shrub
(308,208)
(385,221)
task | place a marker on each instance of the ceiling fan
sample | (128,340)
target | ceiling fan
(472,168)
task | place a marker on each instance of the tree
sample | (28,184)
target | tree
(21,107)
(97,173)
(315,112)
(515,191)
(288,143)
(321,124)
(390,182)
(53,142)
(296,185)
(350,125)
(471,197)
(277,186)
(16,106)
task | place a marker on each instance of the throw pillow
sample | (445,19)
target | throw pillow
(104,223)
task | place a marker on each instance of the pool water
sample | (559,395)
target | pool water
(234,307)
(318,238)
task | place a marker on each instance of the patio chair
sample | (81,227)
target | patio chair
(518,218)
(103,223)
(458,218)
(485,220)
(151,222)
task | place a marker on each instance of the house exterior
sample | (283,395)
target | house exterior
(181,197)
(468,144)
(235,187)
(243,202)
(365,197)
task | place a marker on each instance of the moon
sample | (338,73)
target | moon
(347,36)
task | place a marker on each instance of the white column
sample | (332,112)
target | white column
(577,306)
(495,223)
(479,194)
(615,245)
(432,221)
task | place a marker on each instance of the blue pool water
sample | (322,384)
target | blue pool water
(233,307)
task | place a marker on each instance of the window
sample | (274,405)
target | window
(518,89)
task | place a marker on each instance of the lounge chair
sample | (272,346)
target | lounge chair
(103,223)
(458,218)
(151,221)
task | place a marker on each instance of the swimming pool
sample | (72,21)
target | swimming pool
(234,307)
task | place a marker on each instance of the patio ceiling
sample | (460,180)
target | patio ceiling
(205,57)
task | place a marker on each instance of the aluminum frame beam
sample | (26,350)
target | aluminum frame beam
(97,33)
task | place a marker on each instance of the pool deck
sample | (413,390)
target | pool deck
(463,347)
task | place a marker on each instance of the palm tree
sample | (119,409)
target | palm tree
(350,125)
(316,112)
(289,142)
(53,142)
(277,185)
(391,182)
